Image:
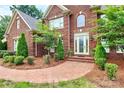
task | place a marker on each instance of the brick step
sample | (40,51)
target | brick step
(86,58)
(79,60)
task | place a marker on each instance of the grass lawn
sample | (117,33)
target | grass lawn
(77,83)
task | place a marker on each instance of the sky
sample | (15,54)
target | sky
(5,10)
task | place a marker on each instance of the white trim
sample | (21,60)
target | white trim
(51,6)
(12,21)
(81,34)
(118,51)
(23,20)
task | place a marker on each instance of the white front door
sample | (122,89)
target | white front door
(81,43)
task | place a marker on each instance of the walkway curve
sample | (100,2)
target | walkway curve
(65,71)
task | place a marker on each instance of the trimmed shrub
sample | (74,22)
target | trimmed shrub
(46,59)
(100,52)
(60,50)
(18,60)
(6,59)
(101,63)
(2,52)
(30,60)
(6,54)
(9,59)
(111,70)
(22,48)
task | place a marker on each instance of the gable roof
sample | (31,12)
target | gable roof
(29,21)
(63,8)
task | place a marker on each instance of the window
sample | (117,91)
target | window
(119,49)
(18,24)
(104,44)
(15,44)
(80,21)
(57,23)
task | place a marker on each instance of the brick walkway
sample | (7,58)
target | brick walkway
(64,71)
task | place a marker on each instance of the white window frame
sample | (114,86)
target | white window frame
(15,44)
(18,23)
(118,50)
(54,21)
(84,20)
(103,42)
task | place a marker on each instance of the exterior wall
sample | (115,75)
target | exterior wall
(14,33)
(55,11)
(68,36)
(90,17)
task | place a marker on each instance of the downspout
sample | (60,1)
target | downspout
(69,32)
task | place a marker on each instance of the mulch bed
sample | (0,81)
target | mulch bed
(38,64)
(99,77)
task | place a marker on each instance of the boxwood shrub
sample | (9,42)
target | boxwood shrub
(111,70)
(18,60)
(9,59)
(30,60)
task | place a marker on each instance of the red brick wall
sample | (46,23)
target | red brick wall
(14,32)
(90,17)
(68,37)
(55,11)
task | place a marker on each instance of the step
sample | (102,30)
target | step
(75,60)
(81,59)
(89,58)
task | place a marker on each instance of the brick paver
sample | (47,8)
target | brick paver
(65,71)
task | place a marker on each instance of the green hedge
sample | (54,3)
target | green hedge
(111,70)
(18,60)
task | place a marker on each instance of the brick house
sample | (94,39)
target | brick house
(75,22)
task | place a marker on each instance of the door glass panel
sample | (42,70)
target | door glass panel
(81,44)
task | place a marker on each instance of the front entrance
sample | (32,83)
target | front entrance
(81,43)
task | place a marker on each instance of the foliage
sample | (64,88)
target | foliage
(18,60)
(9,59)
(2,45)
(100,52)
(101,63)
(3,25)
(29,10)
(111,70)
(6,59)
(46,36)
(22,48)
(77,83)
(6,54)
(2,52)
(60,49)
(111,26)
(30,60)
(46,59)
(93,52)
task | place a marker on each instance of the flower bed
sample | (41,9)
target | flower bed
(38,64)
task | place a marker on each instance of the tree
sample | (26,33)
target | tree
(46,36)
(29,10)
(60,49)
(3,25)
(22,48)
(111,26)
